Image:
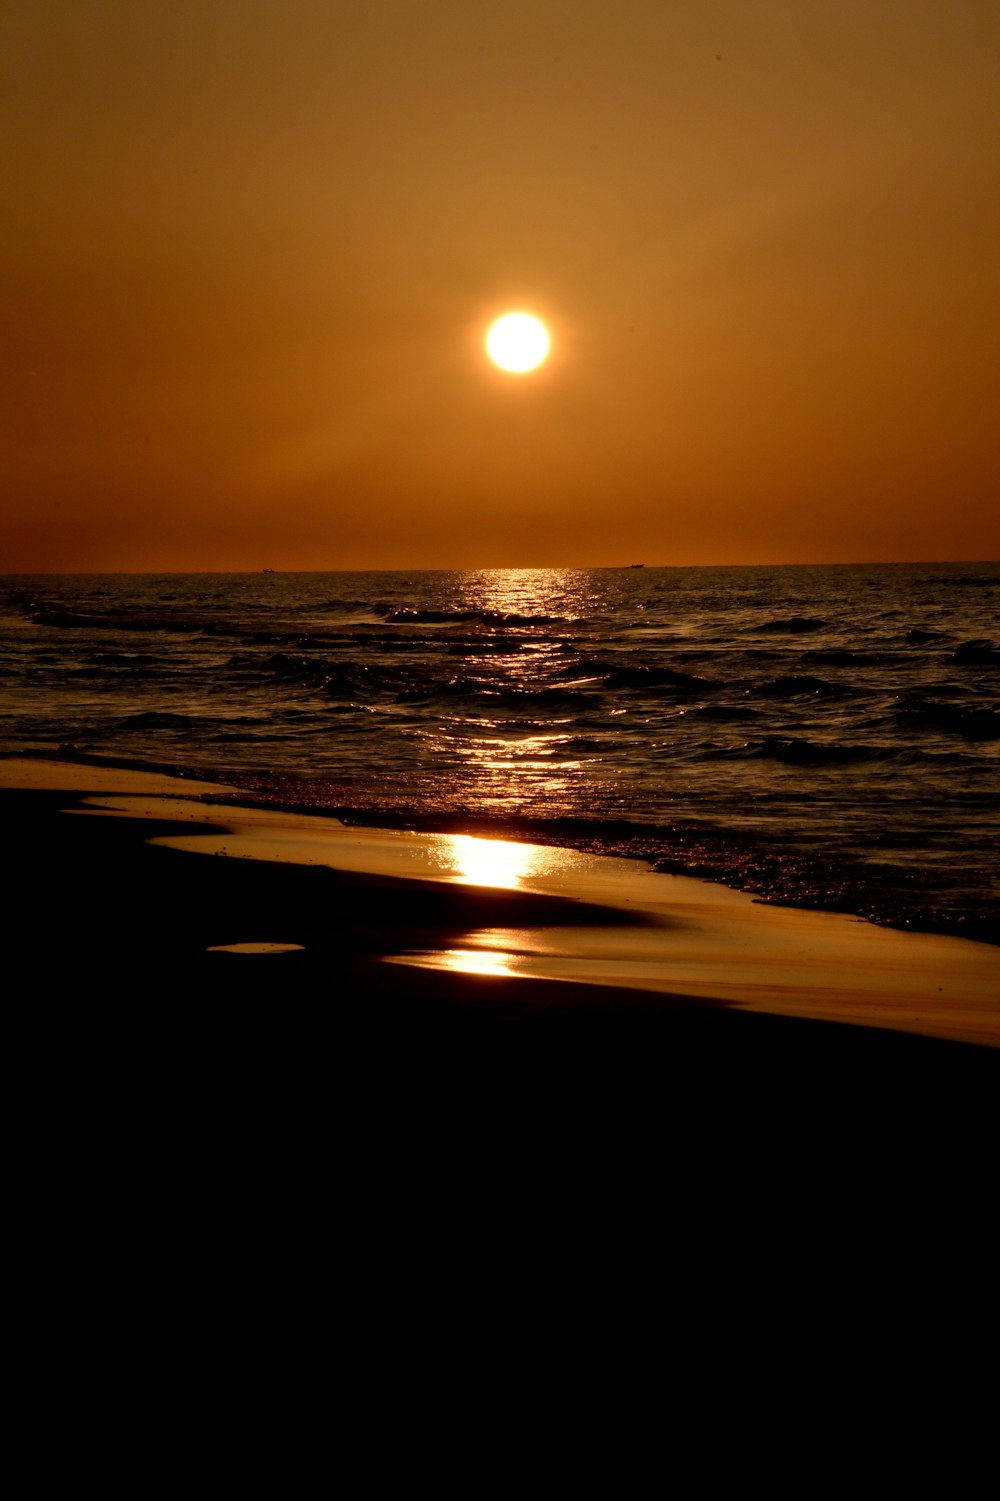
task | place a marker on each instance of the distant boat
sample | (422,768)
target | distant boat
(271,570)
(637,565)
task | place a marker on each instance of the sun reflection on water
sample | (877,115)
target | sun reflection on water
(469,962)
(507,952)
(549,591)
(472,861)
(520,753)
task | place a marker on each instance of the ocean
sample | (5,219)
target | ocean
(826,736)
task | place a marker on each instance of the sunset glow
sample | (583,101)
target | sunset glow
(490,288)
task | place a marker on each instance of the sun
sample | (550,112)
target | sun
(518,342)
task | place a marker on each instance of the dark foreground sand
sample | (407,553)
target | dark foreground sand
(245,1180)
(346,1162)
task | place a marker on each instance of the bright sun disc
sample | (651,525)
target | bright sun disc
(517,342)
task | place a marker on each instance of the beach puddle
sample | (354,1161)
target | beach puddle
(254,948)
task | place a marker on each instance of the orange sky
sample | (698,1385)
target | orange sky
(251,249)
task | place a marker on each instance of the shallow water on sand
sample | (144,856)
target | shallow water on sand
(600,922)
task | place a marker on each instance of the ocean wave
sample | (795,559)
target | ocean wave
(961,580)
(969,720)
(798,685)
(976,654)
(488,697)
(656,677)
(487,646)
(834,657)
(792,750)
(337,680)
(462,617)
(724,712)
(345,607)
(920,637)
(795,625)
(157,719)
(612,674)
(105,620)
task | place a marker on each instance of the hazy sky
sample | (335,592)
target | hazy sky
(252,247)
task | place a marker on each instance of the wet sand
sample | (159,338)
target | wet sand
(139,886)
(235,898)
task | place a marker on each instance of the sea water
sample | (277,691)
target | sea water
(829,735)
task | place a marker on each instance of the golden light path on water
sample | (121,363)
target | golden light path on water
(518,753)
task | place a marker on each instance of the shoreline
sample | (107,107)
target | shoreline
(904,901)
(545,937)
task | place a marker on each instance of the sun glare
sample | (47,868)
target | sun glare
(517,342)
